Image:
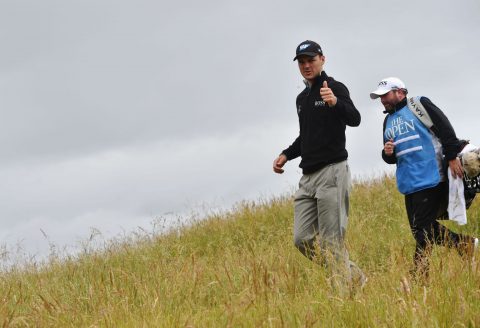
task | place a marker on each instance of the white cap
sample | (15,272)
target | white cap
(386,85)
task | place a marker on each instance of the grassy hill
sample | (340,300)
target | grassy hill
(240,269)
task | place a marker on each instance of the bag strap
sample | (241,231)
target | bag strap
(420,112)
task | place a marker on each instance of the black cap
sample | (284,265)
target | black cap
(308,48)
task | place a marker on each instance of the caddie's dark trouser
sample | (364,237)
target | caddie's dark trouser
(422,210)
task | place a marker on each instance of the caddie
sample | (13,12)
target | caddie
(419,152)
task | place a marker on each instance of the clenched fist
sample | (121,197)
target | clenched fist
(278,163)
(389,147)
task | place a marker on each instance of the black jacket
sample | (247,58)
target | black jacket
(322,129)
(442,128)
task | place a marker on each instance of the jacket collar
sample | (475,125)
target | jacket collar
(318,80)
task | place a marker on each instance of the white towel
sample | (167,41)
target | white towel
(457,210)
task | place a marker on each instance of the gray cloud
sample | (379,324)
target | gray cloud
(114,113)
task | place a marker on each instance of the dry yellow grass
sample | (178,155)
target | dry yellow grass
(240,269)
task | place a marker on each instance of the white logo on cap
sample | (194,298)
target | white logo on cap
(303,46)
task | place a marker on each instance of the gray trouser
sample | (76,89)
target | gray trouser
(321,209)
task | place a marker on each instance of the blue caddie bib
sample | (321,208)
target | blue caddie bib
(417,167)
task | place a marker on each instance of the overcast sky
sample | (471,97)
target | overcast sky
(117,113)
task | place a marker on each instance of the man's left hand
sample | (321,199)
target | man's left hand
(327,95)
(456,168)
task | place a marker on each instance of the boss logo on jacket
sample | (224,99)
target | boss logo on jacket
(319,103)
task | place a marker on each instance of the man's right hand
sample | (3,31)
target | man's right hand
(278,163)
(456,167)
(389,147)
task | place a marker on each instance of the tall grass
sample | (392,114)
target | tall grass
(240,269)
